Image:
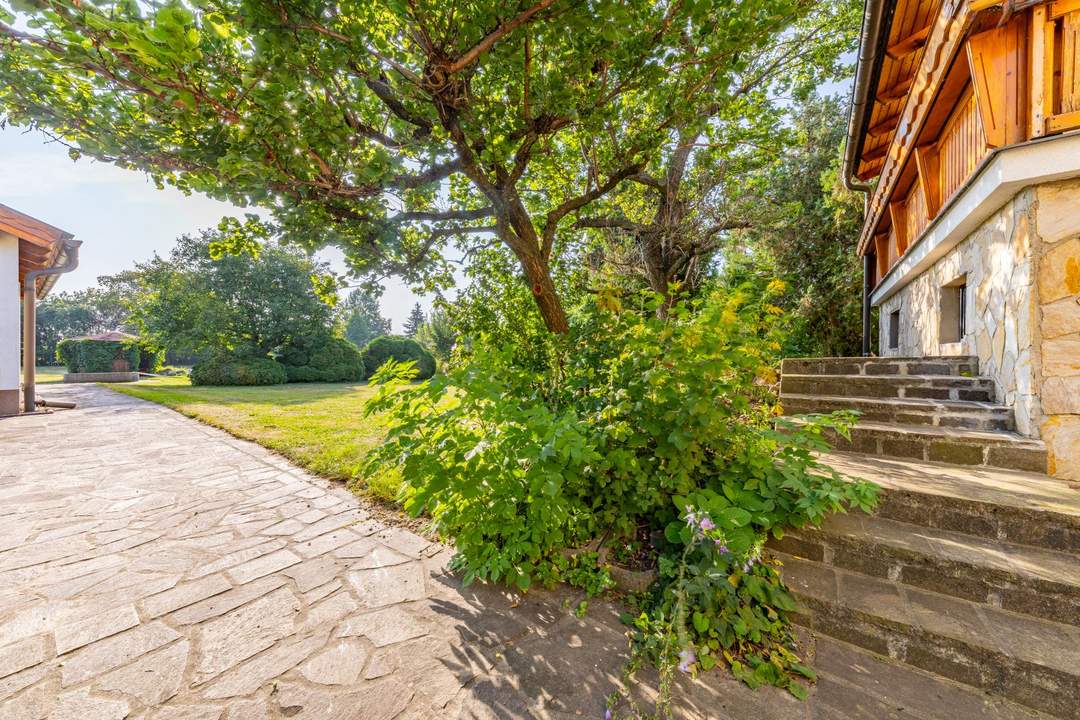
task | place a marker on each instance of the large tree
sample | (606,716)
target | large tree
(387,127)
(361,318)
(198,301)
(707,180)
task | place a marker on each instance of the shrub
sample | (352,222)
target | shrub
(228,369)
(151,357)
(87,355)
(400,350)
(323,359)
(643,425)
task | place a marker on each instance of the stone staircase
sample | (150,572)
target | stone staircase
(967,577)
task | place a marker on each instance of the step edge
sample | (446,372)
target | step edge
(879,616)
(1010,437)
(920,403)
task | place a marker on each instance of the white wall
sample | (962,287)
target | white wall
(9,321)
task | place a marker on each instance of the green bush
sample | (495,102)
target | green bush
(227,369)
(323,359)
(400,350)
(98,356)
(662,426)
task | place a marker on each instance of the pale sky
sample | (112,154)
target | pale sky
(119,215)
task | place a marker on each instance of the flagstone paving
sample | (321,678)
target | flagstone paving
(155,568)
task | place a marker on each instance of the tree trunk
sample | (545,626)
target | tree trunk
(538,275)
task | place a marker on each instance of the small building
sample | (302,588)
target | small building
(32,256)
(965,134)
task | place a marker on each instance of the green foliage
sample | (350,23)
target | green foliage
(400,350)
(230,369)
(98,356)
(506,118)
(810,241)
(639,422)
(151,357)
(322,358)
(251,303)
(360,319)
(437,335)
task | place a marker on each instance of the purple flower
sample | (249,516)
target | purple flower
(607,714)
(721,546)
(688,658)
(707,524)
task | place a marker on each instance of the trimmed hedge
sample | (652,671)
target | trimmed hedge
(402,349)
(323,359)
(226,369)
(98,356)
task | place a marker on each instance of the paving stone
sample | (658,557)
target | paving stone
(189,712)
(82,632)
(341,663)
(240,556)
(261,566)
(22,679)
(379,700)
(330,610)
(325,543)
(34,704)
(227,640)
(113,652)
(22,654)
(403,541)
(154,678)
(311,574)
(247,710)
(184,595)
(275,662)
(389,585)
(80,705)
(385,627)
(226,601)
(285,527)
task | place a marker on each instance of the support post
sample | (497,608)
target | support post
(868,269)
(29,347)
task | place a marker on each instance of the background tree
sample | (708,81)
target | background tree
(415,320)
(360,317)
(252,303)
(98,309)
(387,128)
(437,334)
(810,241)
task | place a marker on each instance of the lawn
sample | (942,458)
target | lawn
(49,374)
(320,426)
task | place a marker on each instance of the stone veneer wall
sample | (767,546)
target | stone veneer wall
(1057,300)
(1023,315)
(997,262)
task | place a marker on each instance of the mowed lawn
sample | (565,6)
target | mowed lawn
(320,426)
(49,374)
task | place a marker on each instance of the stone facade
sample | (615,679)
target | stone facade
(1021,269)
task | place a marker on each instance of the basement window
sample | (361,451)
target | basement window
(953,311)
(894,329)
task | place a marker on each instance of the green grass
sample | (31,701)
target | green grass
(49,374)
(320,426)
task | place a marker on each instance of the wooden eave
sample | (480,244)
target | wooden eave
(887,155)
(40,244)
(910,28)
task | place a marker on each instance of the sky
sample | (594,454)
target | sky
(120,216)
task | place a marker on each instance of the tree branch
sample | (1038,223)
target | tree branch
(442,215)
(582,200)
(473,53)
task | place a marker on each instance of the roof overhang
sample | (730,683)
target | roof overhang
(41,246)
(877,21)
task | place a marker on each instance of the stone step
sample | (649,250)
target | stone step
(1025,580)
(1032,662)
(934,387)
(959,446)
(856,684)
(993,503)
(935,365)
(907,411)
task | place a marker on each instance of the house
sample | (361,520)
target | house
(33,254)
(965,135)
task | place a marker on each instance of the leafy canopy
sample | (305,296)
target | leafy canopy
(381,126)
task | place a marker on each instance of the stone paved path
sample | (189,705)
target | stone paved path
(152,567)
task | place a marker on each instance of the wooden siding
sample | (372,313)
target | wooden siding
(961,146)
(1070,63)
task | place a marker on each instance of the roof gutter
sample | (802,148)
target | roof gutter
(873,21)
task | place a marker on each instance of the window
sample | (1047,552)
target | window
(953,311)
(894,329)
